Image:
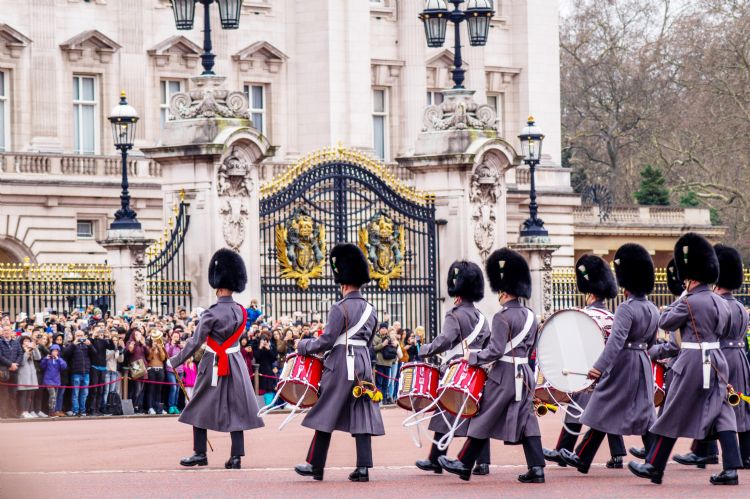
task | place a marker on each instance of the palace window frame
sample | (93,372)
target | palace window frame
(497,102)
(257,111)
(380,118)
(85,229)
(80,103)
(435,97)
(4,110)
(165,95)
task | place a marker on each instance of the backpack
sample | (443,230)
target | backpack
(114,404)
(389,352)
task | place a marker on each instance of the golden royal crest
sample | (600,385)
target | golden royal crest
(382,241)
(300,248)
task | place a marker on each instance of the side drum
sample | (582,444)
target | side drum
(417,385)
(299,382)
(461,388)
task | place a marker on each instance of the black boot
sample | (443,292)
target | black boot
(481,469)
(234,463)
(427,465)
(638,452)
(456,467)
(691,459)
(534,475)
(361,474)
(726,477)
(646,471)
(572,459)
(197,459)
(746,463)
(615,463)
(308,470)
(553,456)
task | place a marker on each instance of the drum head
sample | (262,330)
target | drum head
(294,391)
(452,399)
(569,343)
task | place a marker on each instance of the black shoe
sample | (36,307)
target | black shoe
(746,463)
(572,459)
(726,477)
(197,459)
(615,463)
(691,459)
(456,467)
(234,463)
(646,471)
(361,474)
(481,469)
(308,470)
(638,452)
(534,475)
(554,456)
(427,465)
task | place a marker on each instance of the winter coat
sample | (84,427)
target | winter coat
(52,368)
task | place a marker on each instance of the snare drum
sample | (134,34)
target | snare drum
(461,385)
(660,392)
(299,382)
(417,385)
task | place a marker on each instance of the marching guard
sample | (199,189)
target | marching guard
(622,400)
(464,325)
(594,279)
(223,397)
(506,410)
(349,331)
(696,406)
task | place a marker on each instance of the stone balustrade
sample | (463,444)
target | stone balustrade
(546,177)
(75,165)
(644,215)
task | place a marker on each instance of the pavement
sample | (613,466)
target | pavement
(137,457)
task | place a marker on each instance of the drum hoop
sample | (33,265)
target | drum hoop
(295,381)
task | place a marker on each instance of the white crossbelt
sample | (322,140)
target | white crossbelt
(215,370)
(705,348)
(519,361)
(458,347)
(346,339)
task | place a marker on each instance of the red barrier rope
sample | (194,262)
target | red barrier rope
(91,386)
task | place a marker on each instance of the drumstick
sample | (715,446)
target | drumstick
(568,371)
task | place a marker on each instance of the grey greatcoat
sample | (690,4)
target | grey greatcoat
(459,323)
(623,400)
(231,404)
(733,346)
(691,411)
(500,416)
(337,409)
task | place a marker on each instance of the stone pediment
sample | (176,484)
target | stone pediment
(13,40)
(439,66)
(92,41)
(260,55)
(174,48)
(443,58)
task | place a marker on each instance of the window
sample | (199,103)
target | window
(85,229)
(495,101)
(256,95)
(168,88)
(4,112)
(84,114)
(380,122)
(434,97)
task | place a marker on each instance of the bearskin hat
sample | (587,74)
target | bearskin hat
(695,259)
(594,276)
(465,279)
(634,269)
(349,265)
(731,271)
(227,270)
(674,283)
(508,271)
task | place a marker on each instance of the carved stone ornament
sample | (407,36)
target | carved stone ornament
(301,248)
(234,185)
(382,242)
(547,282)
(234,211)
(139,279)
(483,194)
(458,111)
(234,177)
(208,99)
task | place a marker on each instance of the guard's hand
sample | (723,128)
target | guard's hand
(594,373)
(296,343)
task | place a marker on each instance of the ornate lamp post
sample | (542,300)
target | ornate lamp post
(531,138)
(123,119)
(184,15)
(477,15)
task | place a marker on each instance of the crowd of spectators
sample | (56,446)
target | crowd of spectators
(86,362)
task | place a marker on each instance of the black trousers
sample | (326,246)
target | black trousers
(318,451)
(568,440)
(704,448)
(200,439)
(593,439)
(532,449)
(96,377)
(661,448)
(154,391)
(483,458)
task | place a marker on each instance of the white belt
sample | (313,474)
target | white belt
(517,363)
(215,370)
(341,340)
(705,348)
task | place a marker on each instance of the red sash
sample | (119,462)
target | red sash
(220,350)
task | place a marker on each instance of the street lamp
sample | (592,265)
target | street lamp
(184,15)
(531,138)
(477,15)
(123,119)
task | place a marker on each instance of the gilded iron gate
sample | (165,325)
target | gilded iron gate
(339,195)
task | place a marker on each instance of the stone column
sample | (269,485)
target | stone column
(125,254)
(539,255)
